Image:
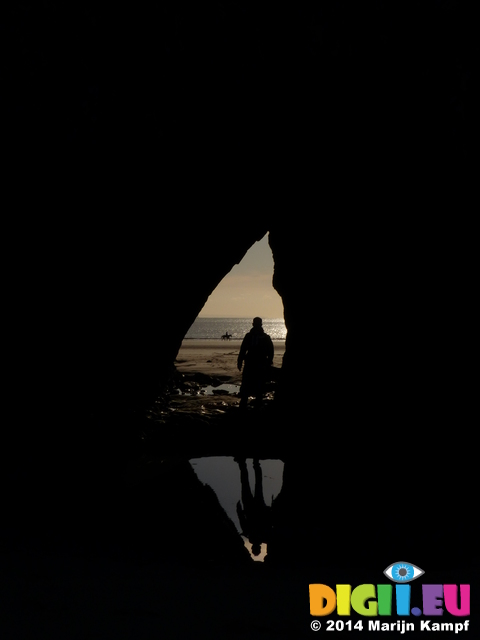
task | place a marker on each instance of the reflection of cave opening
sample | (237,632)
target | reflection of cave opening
(224,475)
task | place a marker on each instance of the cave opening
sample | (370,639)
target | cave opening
(246,290)
(214,340)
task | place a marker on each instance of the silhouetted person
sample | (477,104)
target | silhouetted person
(257,353)
(254,515)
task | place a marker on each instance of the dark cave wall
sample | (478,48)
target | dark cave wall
(141,314)
(148,149)
(155,147)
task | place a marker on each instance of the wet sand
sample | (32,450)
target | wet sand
(218,358)
(200,415)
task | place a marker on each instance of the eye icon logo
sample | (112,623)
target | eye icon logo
(403,572)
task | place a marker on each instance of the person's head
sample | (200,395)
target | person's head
(256,549)
(257,322)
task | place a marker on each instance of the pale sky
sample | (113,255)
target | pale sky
(247,290)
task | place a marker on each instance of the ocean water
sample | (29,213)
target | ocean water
(215,328)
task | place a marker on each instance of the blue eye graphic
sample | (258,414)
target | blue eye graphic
(403,572)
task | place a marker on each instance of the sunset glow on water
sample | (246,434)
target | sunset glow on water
(215,328)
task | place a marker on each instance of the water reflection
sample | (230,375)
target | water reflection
(222,388)
(246,489)
(211,390)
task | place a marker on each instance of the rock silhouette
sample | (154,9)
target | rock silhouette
(147,151)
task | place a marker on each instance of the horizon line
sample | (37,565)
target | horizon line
(241,317)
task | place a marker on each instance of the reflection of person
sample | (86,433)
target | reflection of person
(254,515)
(257,353)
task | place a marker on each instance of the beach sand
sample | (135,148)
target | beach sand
(218,358)
(205,388)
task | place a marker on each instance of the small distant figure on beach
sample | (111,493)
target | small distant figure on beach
(257,353)
(226,336)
